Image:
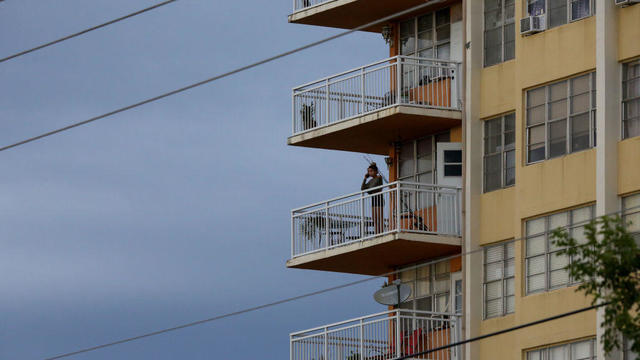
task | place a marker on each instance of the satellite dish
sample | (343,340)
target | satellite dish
(392,295)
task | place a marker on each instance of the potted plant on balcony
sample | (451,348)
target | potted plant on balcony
(308,116)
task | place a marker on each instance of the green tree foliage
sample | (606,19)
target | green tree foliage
(606,262)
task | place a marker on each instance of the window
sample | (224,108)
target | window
(631,99)
(580,350)
(417,160)
(499,152)
(499,280)
(452,162)
(430,287)
(631,214)
(545,268)
(499,31)
(427,36)
(561,118)
(561,12)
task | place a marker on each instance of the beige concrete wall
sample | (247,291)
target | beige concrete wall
(629,175)
(541,188)
(556,184)
(629,32)
(496,207)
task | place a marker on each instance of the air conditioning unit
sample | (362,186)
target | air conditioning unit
(626,2)
(532,24)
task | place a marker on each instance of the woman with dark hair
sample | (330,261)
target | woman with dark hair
(377,201)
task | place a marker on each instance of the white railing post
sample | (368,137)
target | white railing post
(398,78)
(398,206)
(326,343)
(293,240)
(361,339)
(362,224)
(293,112)
(362,110)
(326,225)
(290,348)
(327,102)
(398,333)
(458,214)
(459,85)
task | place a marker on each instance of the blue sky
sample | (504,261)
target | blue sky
(172,212)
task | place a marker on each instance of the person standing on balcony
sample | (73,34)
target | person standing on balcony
(377,201)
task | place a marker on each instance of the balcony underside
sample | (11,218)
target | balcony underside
(348,14)
(379,255)
(372,133)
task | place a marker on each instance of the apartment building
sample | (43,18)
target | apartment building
(499,120)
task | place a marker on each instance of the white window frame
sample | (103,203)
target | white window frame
(503,151)
(507,261)
(435,274)
(626,100)
(548,253)
(434,38)
(567,349)
(569,4)
(547,121)
(415,174)
(504,22)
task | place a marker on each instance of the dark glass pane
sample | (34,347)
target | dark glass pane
(510,177)
(442,17)
(580,132)
(557,138)
(509,10)
(492,19)
(490,5)
(492,172)
(536,153)
(425,22)
(453,156)
(453,170)
(536,7)
(557,13)
(509,42)
(580,9)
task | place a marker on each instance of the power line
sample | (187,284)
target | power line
(299,297)
(86,30)
(221,76)
(500,332)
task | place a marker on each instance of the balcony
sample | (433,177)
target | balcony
(362,110)
(409,222)
(382,336)
(348,14)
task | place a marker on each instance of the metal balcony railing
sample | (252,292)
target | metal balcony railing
(427,83)
(381,336)
(303,4)
(394,207)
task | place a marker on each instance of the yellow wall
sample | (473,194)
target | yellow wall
(498,89)
(556,184)
(629,32)
(545,187)
(629,175)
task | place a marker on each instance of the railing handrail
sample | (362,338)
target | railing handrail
(395,312)
(387,61)
(296,212)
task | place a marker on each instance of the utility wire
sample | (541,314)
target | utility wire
(307,295)
(86,30)
(504,331)
(223,75)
